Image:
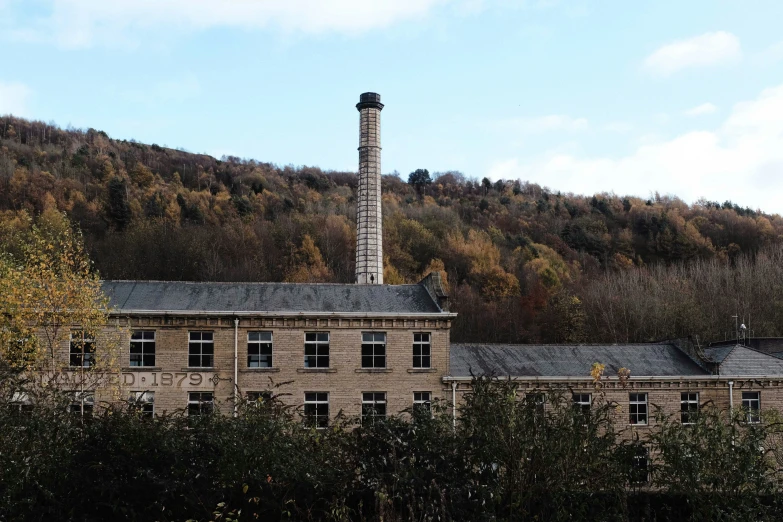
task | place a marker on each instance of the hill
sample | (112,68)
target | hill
(523,263)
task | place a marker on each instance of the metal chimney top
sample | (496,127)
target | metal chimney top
(369,99)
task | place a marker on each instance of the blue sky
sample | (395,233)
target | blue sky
(582,96)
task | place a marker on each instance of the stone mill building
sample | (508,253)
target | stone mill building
(369,349)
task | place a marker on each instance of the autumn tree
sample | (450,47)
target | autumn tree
(419,179)
(52,298)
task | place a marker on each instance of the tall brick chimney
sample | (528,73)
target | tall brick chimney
(369,222)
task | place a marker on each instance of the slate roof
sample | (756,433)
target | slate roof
(569,360)
(717,354)
(183,297)
(741,360)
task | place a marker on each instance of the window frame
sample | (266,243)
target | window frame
(578,403)
(260,346)
(689,406)
(752,415)
(420,359)
(315,402)
(637,469)
(143,346)
(316,345)
(421,401)
(83,402)
(201,343)
(85,358)
(372,402)
(370,349)
(205,407)
(145,402)
(637,403)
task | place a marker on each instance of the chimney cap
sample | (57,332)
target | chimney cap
(369,100)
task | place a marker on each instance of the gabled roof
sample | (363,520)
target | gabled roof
(527,360)
(127,297)
(741,360)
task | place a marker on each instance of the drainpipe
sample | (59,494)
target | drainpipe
(731,397)
(454,405)
(236,362)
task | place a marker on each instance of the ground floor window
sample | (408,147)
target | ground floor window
(316,409)
(640,472)
(258,398)
(83,403)
(422,401)
(200,403)
(144,403)
(373,406)
(751,403)
(21,403)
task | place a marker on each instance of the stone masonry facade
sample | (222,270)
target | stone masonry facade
(345,380)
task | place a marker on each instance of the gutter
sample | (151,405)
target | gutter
(186,313)
(560,378)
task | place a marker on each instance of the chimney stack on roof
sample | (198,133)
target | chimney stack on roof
(369,221)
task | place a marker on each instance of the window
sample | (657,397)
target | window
(582,402)
(259,349)
(422,350)
(316,409)
(374,350)
(142,348)
(751,403)
(317,350)
(200,403)
(373,406)
(689,406)
(422,401)
(201,350)
(538,399)
(82,350)
(21,403)
(640,465)
(258,398)
(637,408)
(83,403)
(143,402)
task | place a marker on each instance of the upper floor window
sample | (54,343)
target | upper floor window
(374,350)
(317,350)
(689,406)
(422,350)
(82,349)
(259,349)
(201,350)
(751,403)
(142,348)
(637,408)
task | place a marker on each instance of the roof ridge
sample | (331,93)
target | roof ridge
(286,283)
(561,344)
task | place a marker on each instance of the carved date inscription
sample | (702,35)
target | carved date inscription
(173,379)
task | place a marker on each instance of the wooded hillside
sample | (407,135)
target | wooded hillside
(524,264)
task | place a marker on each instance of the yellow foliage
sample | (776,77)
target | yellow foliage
(310,266)
(436,265)
(390,274)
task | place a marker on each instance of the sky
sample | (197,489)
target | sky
(683,98)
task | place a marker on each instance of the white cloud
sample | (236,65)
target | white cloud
(80,23)
(741,160)
(540,124)
(13,98)
(700,110)
(618,126)
(770,55)
(709,49)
